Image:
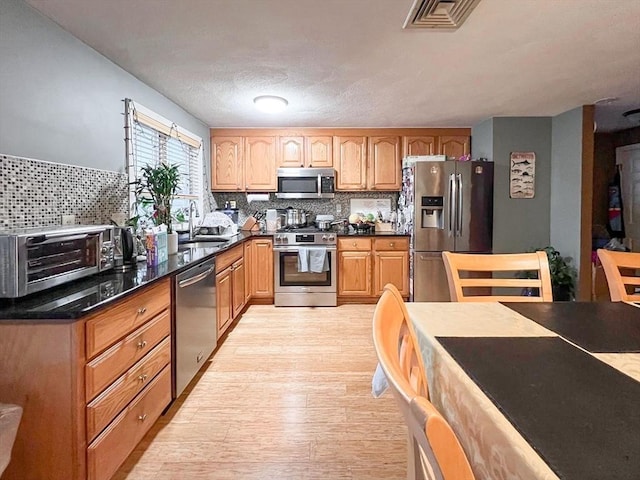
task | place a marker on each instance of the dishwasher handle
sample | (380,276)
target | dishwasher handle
(196,278)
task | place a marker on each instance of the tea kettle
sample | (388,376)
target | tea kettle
(125,248)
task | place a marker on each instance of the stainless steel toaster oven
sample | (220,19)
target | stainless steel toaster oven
(32,260)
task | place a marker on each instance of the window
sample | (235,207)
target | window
(151,139)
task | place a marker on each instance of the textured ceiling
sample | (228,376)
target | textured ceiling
(349,63)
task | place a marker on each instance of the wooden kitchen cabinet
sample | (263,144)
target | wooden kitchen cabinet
(454,146)
(367,264)
(354,267)
(224,300)
(227,164)
(248,270)
(230,287)
(89,392)
(384,167)
(260,164)
(350,158)
(420,145)
(291,152)
(262,273)
(391,264)
(319,151)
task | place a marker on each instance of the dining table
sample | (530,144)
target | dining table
(547,390)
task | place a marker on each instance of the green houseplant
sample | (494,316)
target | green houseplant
(160,183)
(563,274)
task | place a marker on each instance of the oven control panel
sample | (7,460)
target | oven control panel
(304,239)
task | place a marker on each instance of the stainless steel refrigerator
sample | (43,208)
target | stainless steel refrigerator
(444,205)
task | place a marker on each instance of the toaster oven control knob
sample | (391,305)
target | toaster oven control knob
(324,238)
(331,238)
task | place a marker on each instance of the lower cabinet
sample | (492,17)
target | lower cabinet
(367,264)
(230,286)
(262,268)
(90,388)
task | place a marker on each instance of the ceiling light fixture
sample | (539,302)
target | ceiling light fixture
(270,103)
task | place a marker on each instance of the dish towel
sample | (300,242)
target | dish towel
(303,259)
(318,260)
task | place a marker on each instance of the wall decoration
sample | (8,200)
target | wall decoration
(522,172)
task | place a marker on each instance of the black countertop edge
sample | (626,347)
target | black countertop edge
(75,300)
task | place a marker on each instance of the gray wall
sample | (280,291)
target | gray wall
(61,101)
(518,224)
(566,183)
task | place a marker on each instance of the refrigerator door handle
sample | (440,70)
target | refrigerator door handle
(459,206)
(452,205)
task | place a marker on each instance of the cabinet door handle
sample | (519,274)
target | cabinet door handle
(355,244)
(391,244)
(142,417)
(143,377)
(141,310)
(142,344)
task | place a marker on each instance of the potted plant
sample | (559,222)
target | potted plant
(563,274)
(160,182)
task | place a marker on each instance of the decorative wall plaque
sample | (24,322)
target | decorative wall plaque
(522,173)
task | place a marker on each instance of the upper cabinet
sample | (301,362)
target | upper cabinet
(350,162)
(455,145)
(315,151)
(243,164)
(227,164)
(420,145)
(385,164)
(319,151)
(247,160)
(291,152)
(260,164)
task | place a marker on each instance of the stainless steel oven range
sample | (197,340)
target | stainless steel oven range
(296,288)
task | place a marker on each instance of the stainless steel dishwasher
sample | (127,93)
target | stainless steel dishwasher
(196,328)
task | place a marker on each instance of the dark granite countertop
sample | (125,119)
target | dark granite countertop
(77,299)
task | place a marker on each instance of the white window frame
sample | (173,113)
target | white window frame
(135,112)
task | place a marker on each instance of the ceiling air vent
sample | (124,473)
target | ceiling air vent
(439,14)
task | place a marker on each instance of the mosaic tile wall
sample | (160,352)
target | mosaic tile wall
(35,193)
(322,206)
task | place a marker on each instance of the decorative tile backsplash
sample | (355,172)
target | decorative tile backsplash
(35,193)
(322,206)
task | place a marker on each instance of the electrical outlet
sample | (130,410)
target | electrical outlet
(68,219)
(338,208)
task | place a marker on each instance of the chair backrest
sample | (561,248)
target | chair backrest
(480,266)
(441,454)
(621,270)
(395,340)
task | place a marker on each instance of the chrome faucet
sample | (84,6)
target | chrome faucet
(193,211)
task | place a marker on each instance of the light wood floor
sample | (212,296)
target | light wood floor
(286,396)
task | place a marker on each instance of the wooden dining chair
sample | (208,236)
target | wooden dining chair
(478,266)
(621,270)
(395,339)
(436,452)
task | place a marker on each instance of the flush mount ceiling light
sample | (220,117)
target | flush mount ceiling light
(270,103)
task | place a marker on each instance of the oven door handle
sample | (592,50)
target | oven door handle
(295,249)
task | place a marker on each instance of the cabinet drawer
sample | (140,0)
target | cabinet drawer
(112,447)
(391,244)
(354,243)
(102,410)
(103,370)
(104,329)
(225,259)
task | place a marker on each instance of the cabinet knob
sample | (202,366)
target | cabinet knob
(142,344)
(143,377)
(141,310)
(391,244)
(355,244)
(142,417)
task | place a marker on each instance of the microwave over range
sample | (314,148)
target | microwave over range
(306,183)
(32,260)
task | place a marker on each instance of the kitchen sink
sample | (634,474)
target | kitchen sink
(202,244)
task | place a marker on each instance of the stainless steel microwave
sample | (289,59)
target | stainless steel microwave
(32,260)
(306,183)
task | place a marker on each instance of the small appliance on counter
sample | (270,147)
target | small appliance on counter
(32,260)
(125,249)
